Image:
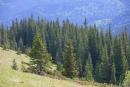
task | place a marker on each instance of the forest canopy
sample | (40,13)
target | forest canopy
(91,53)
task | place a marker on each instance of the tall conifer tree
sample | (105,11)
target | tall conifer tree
(88,73)
(70,63)
(40,58)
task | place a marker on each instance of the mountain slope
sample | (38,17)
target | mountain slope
(117,12)
(12,78)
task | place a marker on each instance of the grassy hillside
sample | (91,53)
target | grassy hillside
(12,78)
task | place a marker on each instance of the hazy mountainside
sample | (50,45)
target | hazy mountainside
(114,12)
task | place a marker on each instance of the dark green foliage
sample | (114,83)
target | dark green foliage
(120,60)
(14,65)
(4,38)
(60,67)
(101,71)
(20,45)
(113,74)
(88,72)
(40,58)
(126,47)
(70,63)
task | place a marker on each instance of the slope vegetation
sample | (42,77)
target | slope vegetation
(13,78)
(127,80)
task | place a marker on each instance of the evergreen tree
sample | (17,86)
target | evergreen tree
(121,62)
(5,39)
(40,58)
(113,74)
(88,73)
(13,44)
(20,44)
(124,66)
(102,67)
(70,63)
(14,65)
(126,45)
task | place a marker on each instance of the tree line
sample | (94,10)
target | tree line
(79,51)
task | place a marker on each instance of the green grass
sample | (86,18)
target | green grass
(12,78)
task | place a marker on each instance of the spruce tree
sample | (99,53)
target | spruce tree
(113,74)
(101,71)
(40,58)
(124,66)
(88,73)
(121,62)
(70,63)
(20,44)
(126,45)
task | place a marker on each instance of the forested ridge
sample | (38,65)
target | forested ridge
(79,51)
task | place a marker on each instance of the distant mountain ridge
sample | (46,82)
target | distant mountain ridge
(100,12)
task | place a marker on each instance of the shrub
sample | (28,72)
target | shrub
(14,65)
